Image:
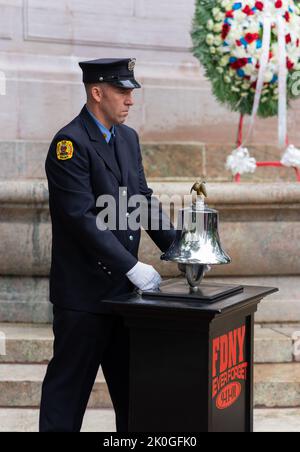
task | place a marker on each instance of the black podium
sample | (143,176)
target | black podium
(191,363)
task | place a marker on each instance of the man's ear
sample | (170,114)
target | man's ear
(97,93)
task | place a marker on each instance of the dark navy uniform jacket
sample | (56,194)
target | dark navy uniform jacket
(88,264)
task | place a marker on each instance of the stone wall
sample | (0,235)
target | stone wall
(41,44)
(259,228)
(174,161)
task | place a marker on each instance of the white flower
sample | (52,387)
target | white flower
(226,4)
(239,52)
(253,28)
(210,39)
(218,41)
(246,85)
(240,162)
(216,11)
(268,76)
(224,61)
(235,34)
(220,16)
(249,69)
(210,24)
(217,28)
(252,48)
(239,15)
(294,55)
(291,157)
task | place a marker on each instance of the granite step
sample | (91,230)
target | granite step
(26,420)
(99,420)
(32,343)
(276,385)
(20,386)
(24,299)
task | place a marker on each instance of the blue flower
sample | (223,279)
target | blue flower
(259,44)
(241,73)
(274,79)
(237,6)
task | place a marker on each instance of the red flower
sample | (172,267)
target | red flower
(298,42)
(270,55)
(225,30)
(288,39)
(238,43)
(247,10)
(229,14)
(287,16)
(251,37)
(289,64)
(259,6)
(278,4)
(238,64)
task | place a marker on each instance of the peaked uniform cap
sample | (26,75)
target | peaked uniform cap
(117,71)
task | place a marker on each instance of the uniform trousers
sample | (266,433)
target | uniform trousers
(82,342)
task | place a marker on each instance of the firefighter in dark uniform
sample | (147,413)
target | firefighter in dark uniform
(95,155)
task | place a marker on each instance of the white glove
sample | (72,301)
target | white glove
(144,277)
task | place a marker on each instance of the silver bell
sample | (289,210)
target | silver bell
(197,243)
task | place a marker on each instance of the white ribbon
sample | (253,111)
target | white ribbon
(282,83)
(282,74)
(267,22)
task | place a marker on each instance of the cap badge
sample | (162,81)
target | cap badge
(131,64)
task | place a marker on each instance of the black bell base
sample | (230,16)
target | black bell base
(191,362)
(207,292)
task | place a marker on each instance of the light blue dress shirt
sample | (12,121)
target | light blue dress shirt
(105,132)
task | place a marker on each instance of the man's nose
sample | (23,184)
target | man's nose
(129,99)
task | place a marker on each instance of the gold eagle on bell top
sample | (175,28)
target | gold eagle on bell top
(199,188)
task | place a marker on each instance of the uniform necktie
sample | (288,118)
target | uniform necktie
(113,148)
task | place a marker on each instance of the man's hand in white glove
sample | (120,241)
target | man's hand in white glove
(144,277)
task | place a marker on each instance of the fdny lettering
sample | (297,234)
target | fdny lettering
(228,360)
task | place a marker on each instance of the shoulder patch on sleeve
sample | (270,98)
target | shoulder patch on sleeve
(64,150)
